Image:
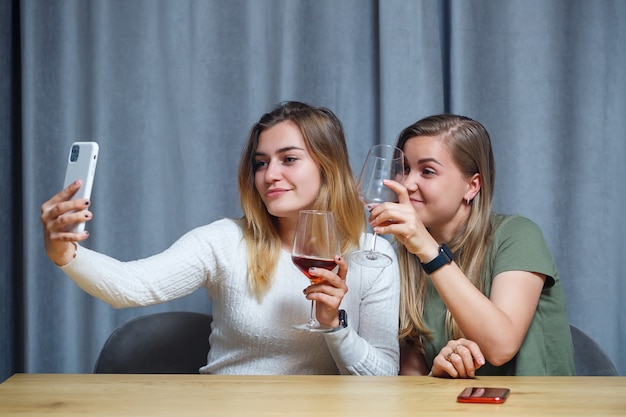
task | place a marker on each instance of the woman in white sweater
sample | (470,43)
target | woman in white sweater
(295,159)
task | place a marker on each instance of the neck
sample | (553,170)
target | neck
(287,232)
(446,232)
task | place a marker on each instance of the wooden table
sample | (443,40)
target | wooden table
(204,395)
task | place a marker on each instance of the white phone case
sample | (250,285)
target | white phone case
(81,164)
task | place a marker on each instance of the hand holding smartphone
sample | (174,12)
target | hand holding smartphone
(81,164)
(483,395)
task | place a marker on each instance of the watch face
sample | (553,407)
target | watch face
(444,257)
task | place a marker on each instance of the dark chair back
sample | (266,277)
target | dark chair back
(589,357)
(175,342)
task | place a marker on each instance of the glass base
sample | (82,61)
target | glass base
(371,258)
(313,327)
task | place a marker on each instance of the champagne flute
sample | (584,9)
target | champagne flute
(382,162)
(315,245)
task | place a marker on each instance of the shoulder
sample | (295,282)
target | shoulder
(223,233)
(518,244)
(505,226)
(511,221)
(226,226)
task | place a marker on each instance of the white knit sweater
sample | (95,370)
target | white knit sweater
(248,336)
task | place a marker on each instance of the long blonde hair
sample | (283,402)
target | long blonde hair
(325,141)
(470,147)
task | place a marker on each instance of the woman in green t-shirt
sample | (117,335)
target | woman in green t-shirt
(480,291)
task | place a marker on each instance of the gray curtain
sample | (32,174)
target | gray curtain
(170,89)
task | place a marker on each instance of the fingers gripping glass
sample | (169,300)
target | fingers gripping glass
(383,162)
(315,245)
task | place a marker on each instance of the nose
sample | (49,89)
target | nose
(273,172)
(409,181)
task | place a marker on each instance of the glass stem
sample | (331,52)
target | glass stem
(312,320)
(374,243)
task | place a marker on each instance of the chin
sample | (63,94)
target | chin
(286,209)
(283,212)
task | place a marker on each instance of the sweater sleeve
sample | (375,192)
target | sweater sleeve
(372,348)
(174,273)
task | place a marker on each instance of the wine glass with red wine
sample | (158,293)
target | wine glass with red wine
(315,245)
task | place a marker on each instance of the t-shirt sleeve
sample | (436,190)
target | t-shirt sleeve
(521,246)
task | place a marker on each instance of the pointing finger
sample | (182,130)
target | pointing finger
(399,189)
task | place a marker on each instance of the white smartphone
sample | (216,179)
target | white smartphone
(81,164)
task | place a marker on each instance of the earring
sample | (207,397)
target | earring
(468,201)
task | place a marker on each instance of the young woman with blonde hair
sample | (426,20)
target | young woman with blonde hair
(295,159)
(480,293)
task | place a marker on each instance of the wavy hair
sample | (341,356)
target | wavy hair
(324,138)
(470,147)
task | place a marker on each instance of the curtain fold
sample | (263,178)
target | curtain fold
(11,257)
(171,89)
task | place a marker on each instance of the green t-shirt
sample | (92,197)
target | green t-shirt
(517,245)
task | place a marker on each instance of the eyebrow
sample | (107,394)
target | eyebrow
(281,150)
(425,160)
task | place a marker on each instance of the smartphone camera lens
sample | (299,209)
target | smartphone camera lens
(74,153)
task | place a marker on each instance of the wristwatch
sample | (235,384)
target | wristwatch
(444,257)
(343,320)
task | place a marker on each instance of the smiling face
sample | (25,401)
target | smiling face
(286,176)
(437,187)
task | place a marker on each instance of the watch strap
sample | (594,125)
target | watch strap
(343,320)
(445,256)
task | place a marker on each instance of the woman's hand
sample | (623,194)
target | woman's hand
(329,292)
(56,215)
(401,220)
(458,359)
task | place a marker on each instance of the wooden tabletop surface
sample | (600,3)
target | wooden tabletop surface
(203,395)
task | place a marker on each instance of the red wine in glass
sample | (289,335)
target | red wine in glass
(305,262)
(315,244)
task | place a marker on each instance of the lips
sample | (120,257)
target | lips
(275,192)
